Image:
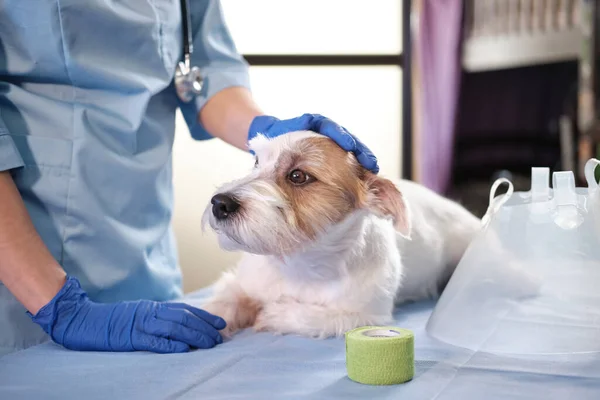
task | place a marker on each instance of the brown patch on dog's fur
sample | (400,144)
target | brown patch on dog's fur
(342,185)
(332,196)
(248,309)
(239,312)
(387,200)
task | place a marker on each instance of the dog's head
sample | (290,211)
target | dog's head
(302,183)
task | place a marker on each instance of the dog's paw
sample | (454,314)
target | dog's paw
(308,320)
(227,312)
(238,315)
(229,331)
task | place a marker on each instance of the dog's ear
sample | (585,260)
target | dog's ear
(384,199)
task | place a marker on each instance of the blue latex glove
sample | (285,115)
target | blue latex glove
(273,127)
(72,320)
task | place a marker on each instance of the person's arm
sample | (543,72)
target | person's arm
(27,268)
(61,307)
(229,114)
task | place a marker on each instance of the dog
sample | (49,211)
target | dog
(327,245)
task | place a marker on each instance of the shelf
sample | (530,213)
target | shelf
(488,53)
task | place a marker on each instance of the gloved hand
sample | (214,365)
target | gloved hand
(272,127)
(75,322)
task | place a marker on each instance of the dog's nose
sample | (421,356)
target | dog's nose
(224,205)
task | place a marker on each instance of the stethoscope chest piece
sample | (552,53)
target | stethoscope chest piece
(188,81)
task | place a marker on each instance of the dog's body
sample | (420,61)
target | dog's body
(395,242)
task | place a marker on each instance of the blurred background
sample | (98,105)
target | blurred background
(449,93)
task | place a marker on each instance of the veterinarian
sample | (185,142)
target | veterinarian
(88,96)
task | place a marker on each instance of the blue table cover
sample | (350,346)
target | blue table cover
(265,366)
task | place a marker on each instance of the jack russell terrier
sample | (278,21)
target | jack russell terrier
(328,246)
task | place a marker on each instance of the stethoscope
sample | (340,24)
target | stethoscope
(188,80)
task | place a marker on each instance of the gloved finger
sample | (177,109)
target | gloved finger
(214,320)
(155,344)
(336,132)
(350,143)
(180,333)
(368,160)
(364,155)
(261,124)
(187,319)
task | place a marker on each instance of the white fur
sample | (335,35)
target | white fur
(352,275)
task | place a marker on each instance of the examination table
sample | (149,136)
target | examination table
(264,366)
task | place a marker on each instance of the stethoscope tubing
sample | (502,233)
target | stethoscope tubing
(188,79)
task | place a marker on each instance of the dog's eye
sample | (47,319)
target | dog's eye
(256,162)
(298,177)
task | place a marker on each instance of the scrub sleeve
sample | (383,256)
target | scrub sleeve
(216,55)
(9,155)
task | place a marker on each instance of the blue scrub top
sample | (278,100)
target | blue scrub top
(87,122)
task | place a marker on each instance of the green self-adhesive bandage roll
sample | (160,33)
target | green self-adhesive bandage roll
(380,355)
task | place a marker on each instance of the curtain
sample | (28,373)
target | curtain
(437,47)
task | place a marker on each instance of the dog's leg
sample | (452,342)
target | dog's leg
(312,320)
(231,303)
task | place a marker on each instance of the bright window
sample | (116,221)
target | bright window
(366,100)
(315,26)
